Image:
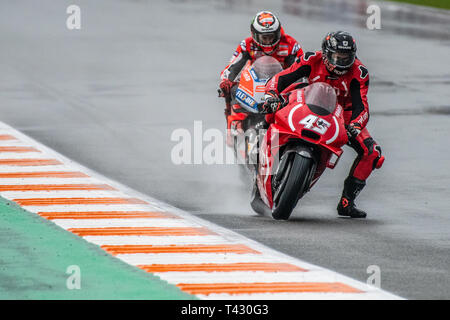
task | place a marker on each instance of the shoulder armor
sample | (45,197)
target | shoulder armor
(308,55)
(363,71)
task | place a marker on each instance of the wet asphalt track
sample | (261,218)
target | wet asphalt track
(110,95)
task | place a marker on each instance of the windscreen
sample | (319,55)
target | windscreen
(322,95)
(266,67)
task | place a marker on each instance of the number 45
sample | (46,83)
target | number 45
(315,123)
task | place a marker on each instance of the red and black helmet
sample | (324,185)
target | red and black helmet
(266,31)
(338,51)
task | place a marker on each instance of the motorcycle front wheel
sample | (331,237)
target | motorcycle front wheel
(294,183)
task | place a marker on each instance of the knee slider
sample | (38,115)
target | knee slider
(379,160)
(374,152)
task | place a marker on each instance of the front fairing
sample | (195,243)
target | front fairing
(298,120)
(251,90)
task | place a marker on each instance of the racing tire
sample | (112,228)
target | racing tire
(295,183)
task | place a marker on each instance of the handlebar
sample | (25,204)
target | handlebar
(283,100)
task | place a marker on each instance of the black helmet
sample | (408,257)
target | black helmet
(338,51)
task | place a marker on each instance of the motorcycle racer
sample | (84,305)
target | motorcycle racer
(337,65)
(268,38)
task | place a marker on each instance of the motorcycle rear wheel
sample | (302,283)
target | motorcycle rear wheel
(294,183)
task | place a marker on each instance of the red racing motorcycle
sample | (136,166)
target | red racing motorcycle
(304,138)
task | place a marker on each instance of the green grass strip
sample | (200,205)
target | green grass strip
(35,254)
(442,4)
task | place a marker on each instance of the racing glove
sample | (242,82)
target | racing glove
(225,87)
(353,130)
(272,103)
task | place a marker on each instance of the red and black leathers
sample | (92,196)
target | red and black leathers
(351,89)
(287,51)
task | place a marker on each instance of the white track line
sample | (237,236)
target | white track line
(295,296)
(93,208)
(65,194)
(195,258)
(23,155)
(243,277)
(26,181)
(155,241)
(15,169)
(14,143)
(124,222)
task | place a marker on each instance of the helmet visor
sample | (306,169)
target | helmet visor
(267,39)
(341,59)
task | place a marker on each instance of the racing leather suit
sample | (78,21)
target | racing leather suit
(351,89)
(286,51)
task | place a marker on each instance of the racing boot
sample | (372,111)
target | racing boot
(346,207)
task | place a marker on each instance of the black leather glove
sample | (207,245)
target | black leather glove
(271,104)
(353,130)
(225,87)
